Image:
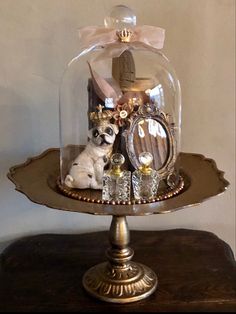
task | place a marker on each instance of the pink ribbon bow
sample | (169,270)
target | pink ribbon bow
(143,37)
(147,37)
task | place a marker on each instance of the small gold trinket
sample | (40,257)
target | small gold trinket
(124,35)
(100,117)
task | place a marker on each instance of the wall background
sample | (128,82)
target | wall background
(38,38)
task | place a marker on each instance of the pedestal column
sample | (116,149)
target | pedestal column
(120,280)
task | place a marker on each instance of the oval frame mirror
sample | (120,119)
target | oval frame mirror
(161,133)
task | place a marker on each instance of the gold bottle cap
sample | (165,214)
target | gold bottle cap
(145,160)
(117,161)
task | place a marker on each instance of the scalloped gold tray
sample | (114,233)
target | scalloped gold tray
(119,280)
(37,179)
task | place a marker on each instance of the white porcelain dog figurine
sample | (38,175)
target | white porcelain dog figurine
(87,169)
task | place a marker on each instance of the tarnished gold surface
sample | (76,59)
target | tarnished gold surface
(124,286)
(120,280)
(36,178)
(125,35)
(100,117)
(135,146)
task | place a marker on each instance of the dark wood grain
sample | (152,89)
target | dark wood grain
(196,272)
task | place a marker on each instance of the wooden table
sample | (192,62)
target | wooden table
(196,272)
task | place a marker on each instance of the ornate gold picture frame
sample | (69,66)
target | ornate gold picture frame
(152,132)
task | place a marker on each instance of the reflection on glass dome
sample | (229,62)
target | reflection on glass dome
(119,95)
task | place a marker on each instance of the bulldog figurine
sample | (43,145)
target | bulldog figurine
(87,169)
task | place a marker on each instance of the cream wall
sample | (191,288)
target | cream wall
(38,38)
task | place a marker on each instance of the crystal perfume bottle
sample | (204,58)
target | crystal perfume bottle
(116,183)
(145,180)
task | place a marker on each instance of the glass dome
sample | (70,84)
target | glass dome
(119,94)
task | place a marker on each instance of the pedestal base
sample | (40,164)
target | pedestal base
(120,284)
(43,273)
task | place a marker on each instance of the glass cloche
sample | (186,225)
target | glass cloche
(120,94)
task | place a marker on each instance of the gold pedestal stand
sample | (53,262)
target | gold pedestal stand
(120,280)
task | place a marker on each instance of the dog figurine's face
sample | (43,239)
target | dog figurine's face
(103,135)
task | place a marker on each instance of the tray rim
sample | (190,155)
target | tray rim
(111,209)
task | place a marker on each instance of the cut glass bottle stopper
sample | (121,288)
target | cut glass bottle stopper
(117,159)
(145,158)
(120,17)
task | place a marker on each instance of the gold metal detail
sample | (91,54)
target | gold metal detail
(117,160)
(100,117)
(119,280)
(116,170)
(145,169)
(199,186)
(100,108)
(145,159)
(133,284)
(125,35)
(163,120)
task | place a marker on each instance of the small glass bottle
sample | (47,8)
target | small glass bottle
(145,180)
(116,183)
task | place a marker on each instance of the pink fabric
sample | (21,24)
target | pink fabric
(143,37)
